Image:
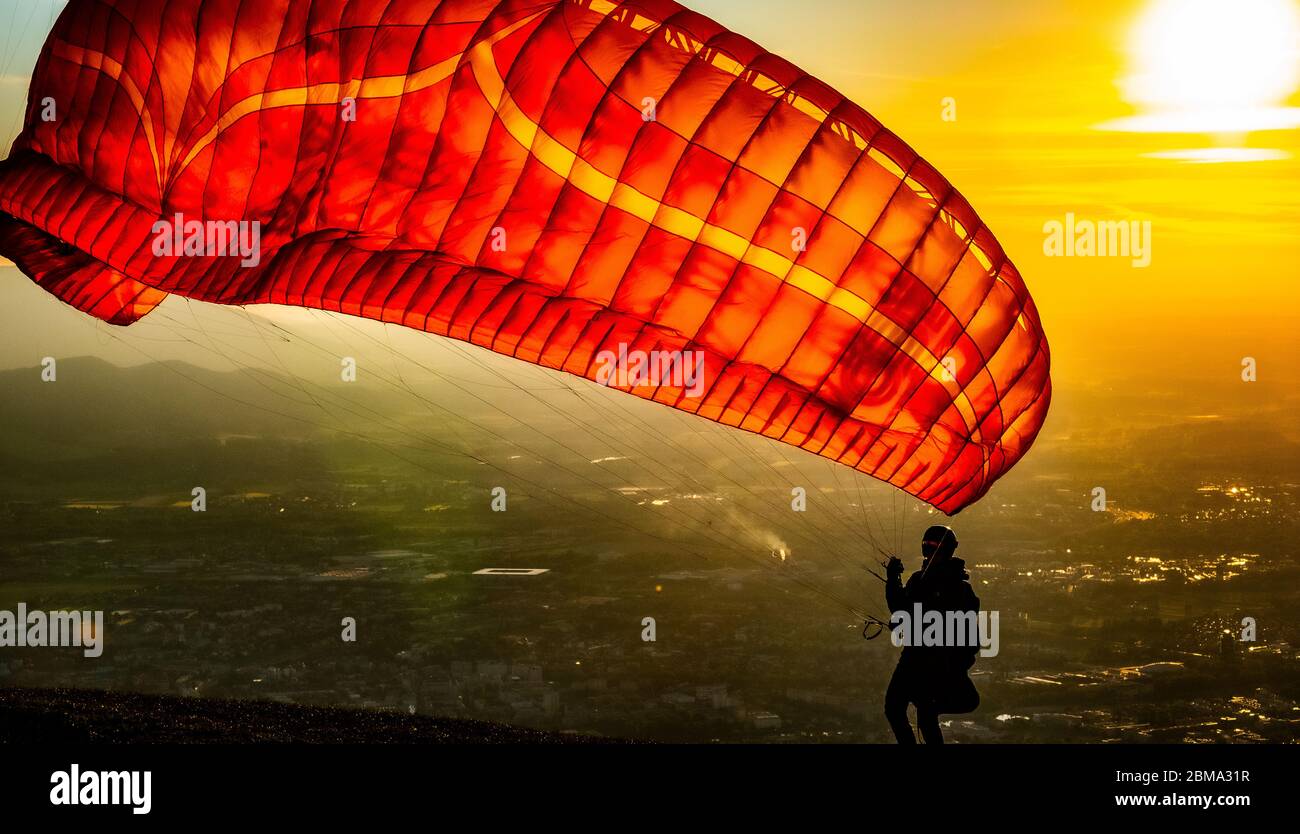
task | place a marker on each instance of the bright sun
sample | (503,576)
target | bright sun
(1213,66)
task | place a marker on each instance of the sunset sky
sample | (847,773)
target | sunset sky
(1177,112)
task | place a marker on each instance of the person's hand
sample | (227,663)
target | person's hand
(895,567)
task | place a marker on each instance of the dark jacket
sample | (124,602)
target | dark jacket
(945,588)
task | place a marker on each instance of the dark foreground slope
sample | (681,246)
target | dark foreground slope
(79,716)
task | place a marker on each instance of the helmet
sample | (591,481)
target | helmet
(938,539)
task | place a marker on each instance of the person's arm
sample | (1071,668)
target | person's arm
(896,595)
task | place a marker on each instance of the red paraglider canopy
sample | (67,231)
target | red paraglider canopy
(560,181)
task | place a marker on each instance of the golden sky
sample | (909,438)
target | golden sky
(1034,84)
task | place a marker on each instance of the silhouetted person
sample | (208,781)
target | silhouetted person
(933,678)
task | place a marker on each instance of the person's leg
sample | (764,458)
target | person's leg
(927,721)
(896,700)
